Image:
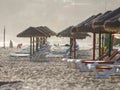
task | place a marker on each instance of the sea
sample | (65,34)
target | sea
(83,44)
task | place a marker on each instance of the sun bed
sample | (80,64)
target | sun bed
(104,70)
(19,56)
(86,65)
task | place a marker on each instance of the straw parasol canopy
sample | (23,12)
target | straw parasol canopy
(52,33)
(97,28)
(86,26)
(113,24)
(46,30)
(99,23)
(95,23)
(32,32)
(81,27)
(68,33)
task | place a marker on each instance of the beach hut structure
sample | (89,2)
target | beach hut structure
(73,36)
(33,32)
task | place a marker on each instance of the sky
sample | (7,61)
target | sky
(18,15)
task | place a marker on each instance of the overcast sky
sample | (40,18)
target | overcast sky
(17,15)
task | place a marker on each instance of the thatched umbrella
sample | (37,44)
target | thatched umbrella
(73,36)
(99,24)
(86,26)
(100,30)
(32,32)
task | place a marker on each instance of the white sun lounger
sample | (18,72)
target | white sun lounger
(79,65)
(19,56)
(86,65)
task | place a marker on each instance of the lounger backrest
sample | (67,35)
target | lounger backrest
(116,57)
(107,58)
(113,55)
(103,56)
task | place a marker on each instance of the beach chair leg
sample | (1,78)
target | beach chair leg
(105,74)
(83,67)
(108,72)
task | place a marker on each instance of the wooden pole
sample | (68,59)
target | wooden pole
(103,45)
(30,46)
(74,47)
(94,45)
(70,47)
(99,44)
(37,43)
(4,38)
(33,46)
(110,44)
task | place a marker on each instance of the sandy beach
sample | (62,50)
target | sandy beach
(53,75)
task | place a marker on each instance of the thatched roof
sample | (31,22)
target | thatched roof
(99,29)
(32,32)
(94,23)
(37,31)
(101,20)
(87,20)
(68,33)
(113,24)
(46,30)
(86,26)
(50,31)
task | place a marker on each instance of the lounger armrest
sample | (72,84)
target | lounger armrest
(117,66)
